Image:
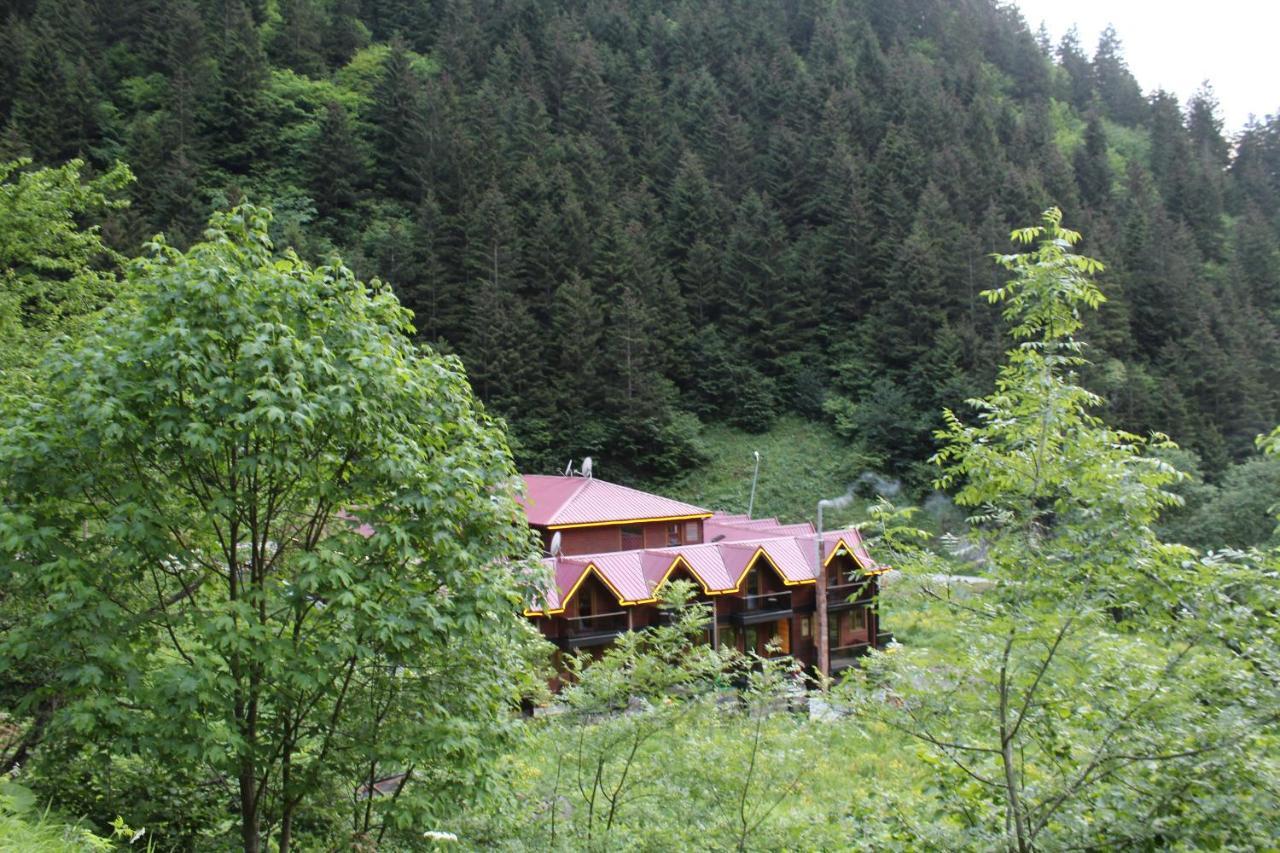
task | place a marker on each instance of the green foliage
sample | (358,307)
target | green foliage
(184,495)
(1043,470)
(762,234)
(1103,675)
(652,749)
(1236,512)
(24,827)
(657,235)
(55,271)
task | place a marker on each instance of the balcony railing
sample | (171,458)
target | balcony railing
(766,607)
(768,601)
(844,657)
(594,630)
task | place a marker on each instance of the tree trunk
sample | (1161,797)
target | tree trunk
(249,834)
(31,737)
(1012,800)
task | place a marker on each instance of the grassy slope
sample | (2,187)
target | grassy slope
(800,462)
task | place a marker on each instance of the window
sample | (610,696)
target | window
(632,537)
(783,637)
(859,617)
(673,534)
(839,572)
(806,627)
(692,535)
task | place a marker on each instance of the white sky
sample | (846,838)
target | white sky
(1176,44)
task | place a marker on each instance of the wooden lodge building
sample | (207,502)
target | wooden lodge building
(617,547)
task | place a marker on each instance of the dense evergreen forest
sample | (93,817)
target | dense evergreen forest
(262,563)
(629,217)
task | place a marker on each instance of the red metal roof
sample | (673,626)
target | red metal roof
(554,502)
(723,526)
(636,576)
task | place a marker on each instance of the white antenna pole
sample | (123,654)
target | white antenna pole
(568,469)
(751,505)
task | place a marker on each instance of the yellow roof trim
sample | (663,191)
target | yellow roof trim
(628,521)
(841,548)
(761,552)
(841,545)
(681,561)
(564,602)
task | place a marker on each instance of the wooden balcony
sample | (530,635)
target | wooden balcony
(840,597)
(595,630)
(766,607)
(843,657)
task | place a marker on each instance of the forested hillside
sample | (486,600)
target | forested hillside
(630,216)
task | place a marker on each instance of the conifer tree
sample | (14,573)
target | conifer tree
(396,114)
(297,42)
(1075,65)
(344,33)
(336,168)
(1093,171)
(1115,84)
(242,73)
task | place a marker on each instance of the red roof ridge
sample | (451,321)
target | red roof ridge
(553,501)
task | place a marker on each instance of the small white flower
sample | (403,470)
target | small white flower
(436,835)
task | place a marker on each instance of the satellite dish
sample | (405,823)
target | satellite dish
(586,467)
(568,469)
(555,544)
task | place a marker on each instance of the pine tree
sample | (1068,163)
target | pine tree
(337,169)
(242,72)
(297,44)
(397,117)
(1078,71)
(692,218)
(1115,84)
(56,106)
(344,34)
(1093,170)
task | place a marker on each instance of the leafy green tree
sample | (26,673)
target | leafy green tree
(272,538)
(54,271)
(1088,695)
(1234,513)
